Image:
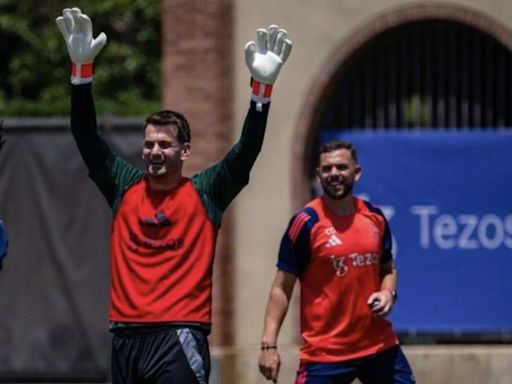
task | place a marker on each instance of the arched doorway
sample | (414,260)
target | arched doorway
(418,66)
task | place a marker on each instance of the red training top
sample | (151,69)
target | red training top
(338,259)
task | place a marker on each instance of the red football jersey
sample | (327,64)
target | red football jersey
(162,255)
(337,259)
(163,242)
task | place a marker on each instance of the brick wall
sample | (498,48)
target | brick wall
(198,82)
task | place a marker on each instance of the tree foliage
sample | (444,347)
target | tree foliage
(35,67)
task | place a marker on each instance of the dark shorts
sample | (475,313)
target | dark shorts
(386,367)
(160,354)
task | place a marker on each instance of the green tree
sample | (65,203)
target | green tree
(35,67)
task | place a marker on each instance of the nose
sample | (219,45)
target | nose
(155,149)
(334,172)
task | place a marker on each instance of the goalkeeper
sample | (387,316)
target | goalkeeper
(165,225)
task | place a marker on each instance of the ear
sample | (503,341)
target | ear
(317,173)
(359,171)
(185,151)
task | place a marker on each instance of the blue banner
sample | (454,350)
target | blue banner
(448,199)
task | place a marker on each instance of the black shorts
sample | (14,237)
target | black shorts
(160,354)
(386,367)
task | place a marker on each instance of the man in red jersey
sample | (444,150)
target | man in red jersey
(165,225)
(339,247)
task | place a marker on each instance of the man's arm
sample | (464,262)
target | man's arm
(277,307)
(385,298)
(93,149)
(241,158)
(219,184)
(264,60)
(76,29)
(110,173)
(389,276)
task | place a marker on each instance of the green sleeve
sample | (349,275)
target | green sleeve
(219,184)
(114,179)
(216,190)
(112,175)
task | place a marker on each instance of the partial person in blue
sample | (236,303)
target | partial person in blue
(4,242)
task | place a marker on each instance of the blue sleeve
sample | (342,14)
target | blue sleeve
(4,243)
(387,246)
(387,253)
(295,249)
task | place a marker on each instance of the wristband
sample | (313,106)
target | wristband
(394,295)
(267,347)
(81,73)
(261,93)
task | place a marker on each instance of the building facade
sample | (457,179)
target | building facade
(327,36)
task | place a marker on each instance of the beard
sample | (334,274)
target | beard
(337,193)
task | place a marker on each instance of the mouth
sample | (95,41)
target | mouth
(335,183)
(336,187)
(156,165)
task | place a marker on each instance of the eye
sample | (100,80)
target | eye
(165,144)
(148,144)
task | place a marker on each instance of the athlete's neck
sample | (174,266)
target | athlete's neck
(164,183)
(342,207)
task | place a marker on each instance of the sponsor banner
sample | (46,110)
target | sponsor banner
(448,199)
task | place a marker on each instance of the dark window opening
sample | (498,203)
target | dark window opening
(427,74)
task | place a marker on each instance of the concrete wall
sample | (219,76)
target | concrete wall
(431,365)
(262,211)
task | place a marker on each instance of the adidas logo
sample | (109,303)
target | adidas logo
(333,241)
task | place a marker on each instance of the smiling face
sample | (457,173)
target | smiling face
(162,152)
(337,172)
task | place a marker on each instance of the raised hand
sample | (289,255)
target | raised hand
(265,59)
(76,28)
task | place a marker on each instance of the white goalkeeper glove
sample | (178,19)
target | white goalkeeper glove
(265,59)
(76,28)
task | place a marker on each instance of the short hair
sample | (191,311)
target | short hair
(167,117)
(334,145)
